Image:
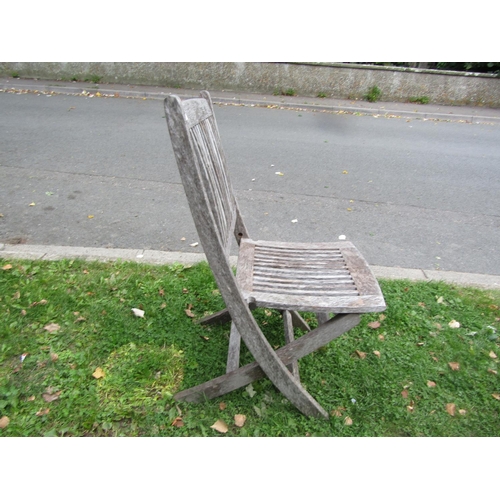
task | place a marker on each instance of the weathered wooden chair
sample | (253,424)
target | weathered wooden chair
(322,278)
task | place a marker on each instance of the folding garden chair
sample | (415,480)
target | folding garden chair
(322,278)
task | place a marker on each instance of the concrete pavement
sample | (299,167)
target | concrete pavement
(414,111)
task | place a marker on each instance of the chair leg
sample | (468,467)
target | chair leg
(322,317)
(247,374)
(233,355)
(298,322)
(219,318)
(289,337)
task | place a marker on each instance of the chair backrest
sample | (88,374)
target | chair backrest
(202,166)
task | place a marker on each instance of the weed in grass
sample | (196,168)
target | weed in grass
(373,94)
(286,92)
(14,74)
(47,387)
(322,94)
(420,100)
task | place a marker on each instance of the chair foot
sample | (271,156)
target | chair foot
(295,350)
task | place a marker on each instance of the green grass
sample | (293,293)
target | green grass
(54,390)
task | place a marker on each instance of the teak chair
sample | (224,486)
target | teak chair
(322,278)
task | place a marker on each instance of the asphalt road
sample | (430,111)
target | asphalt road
(100,172)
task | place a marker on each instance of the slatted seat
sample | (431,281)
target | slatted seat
(324,278)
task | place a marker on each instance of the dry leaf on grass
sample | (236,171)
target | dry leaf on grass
(430,383)
(348,421)
(42,412)
(222,406)
(177,422)
(496,396)
(493,355)
(490,370)
(374,324)
(404,394)
(239,420)
(54,357)
(361,354)
(377,353)
(450,408)
(454,324)
(454,366)
(4,422)
(220,426)
(462,412)
(99,373)
(48,397)
(7,267)
(52,327)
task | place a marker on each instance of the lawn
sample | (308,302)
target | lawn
(77,360)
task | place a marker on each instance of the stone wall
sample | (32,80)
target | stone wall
(344,81)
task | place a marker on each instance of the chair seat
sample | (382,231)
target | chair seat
(315,277)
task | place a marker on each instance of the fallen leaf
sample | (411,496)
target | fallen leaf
(41,303)
(381,337)
(177,422)
(377,353)
(4,422)
(222,406)
(99,373)
(440,300)
(430,383)
(239,420)
(361,354)
(161,292)
(348,421)
(31,398)
(7,267)
(454,324)
(337,412)
(17,295)
(454,366)
(49,397)
(450,408)
(195,244)
(496,396)
(42,412)
(189,312)
(54,357)
(493,355)
(404,394)
(32,204)
(462,412)
(374,324)
(138,312)
(490,370)
(411,407)
(52,327)
(220,426)
(382,317)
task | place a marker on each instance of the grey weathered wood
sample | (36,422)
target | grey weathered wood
(233,354)
(289,337)
(247,374)
(322,278)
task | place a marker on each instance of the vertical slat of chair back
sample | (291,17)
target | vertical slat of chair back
(211,165)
